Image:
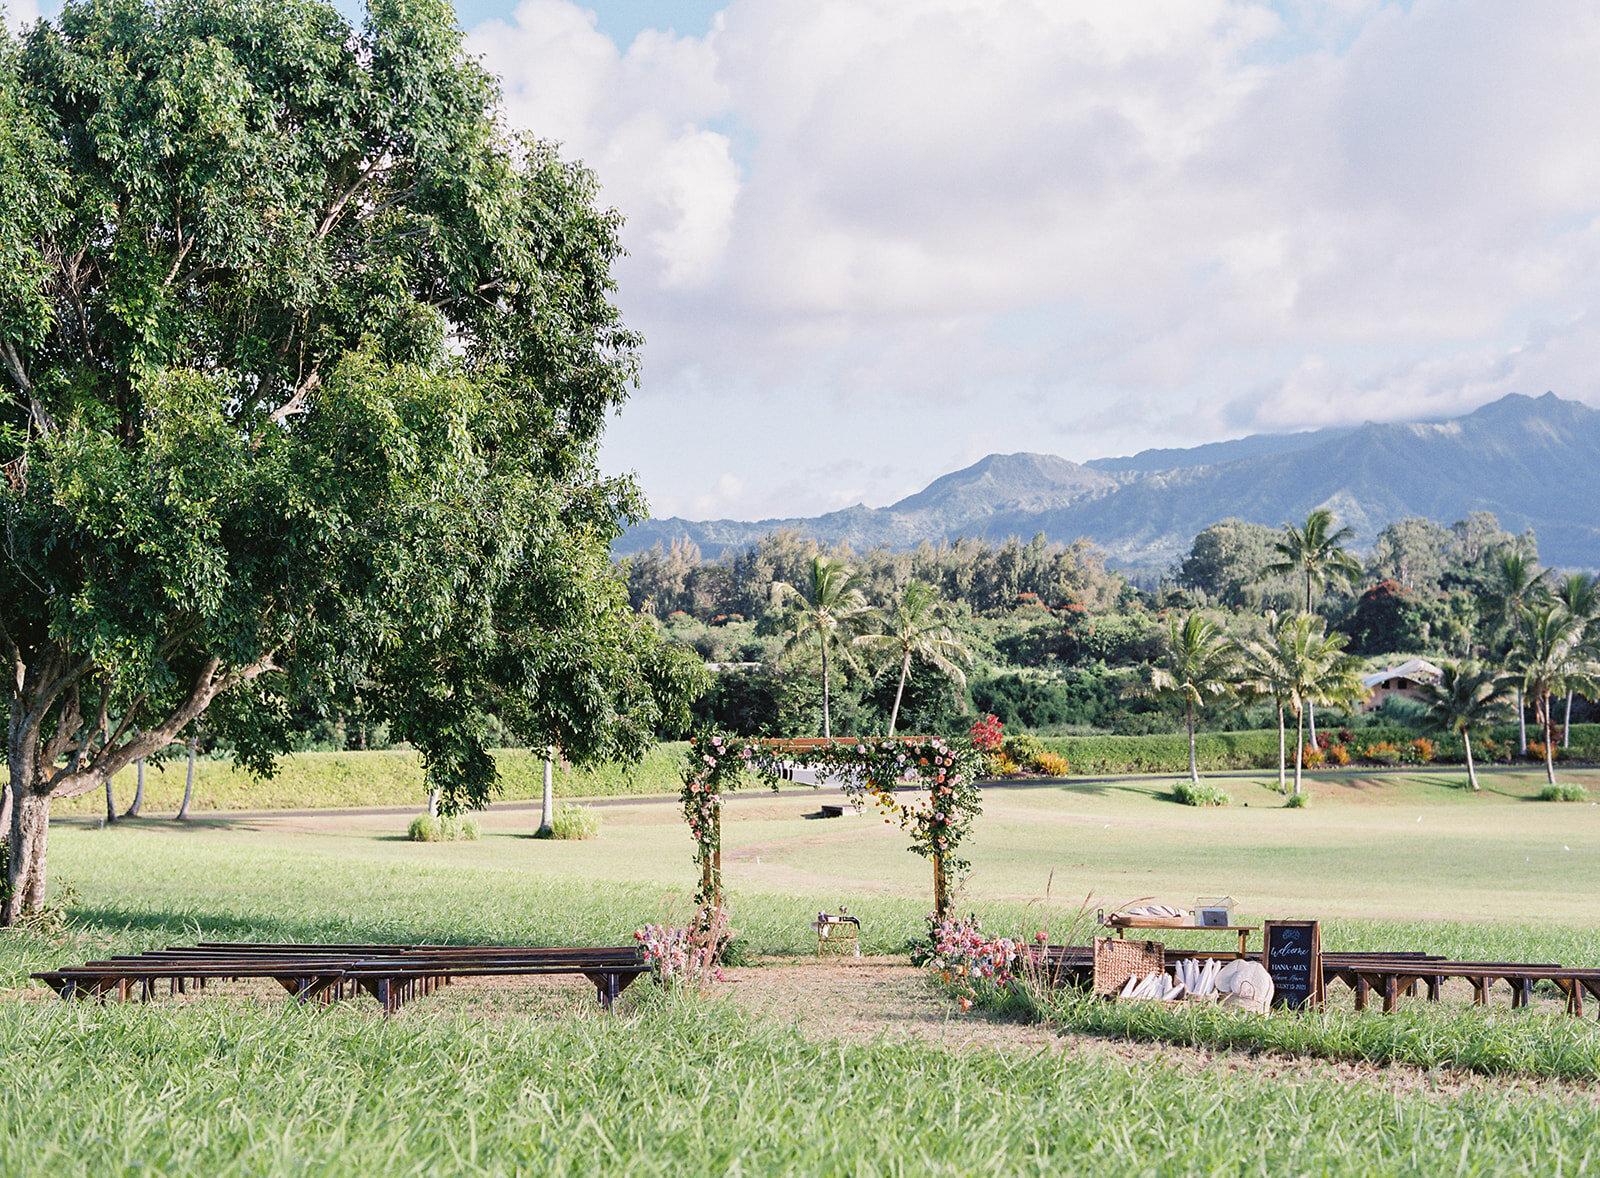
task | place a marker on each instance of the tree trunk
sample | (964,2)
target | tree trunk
(5,810)
(547,813)
(1299,748)
(1283,756)
(433,803)
(1566,725)
(941,889)
(1547,724)
(1311,719)
(1522,725)
(27,846)
(827,729)
(905,670)
(111,804)
(188,781)
(1194,765)
(1472,773)
(138,791)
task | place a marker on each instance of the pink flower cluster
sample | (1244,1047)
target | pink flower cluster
(686,954)
(962,950)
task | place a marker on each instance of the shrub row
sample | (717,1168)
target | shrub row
(1257,750)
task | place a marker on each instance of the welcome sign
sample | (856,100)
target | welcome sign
(1293,957)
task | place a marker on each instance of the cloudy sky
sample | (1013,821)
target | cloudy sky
(873,240)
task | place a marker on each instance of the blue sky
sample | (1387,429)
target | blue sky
(871,241)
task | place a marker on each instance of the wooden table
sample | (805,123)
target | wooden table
(1244,931)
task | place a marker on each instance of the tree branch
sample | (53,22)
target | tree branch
(338,205)
(112,759)
(297,402)
(38,416)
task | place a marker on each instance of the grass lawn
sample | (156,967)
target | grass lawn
(223,1087)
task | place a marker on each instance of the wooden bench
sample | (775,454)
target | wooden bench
(392,974)
(1393,975)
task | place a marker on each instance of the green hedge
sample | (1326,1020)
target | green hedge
(1231,751)
(1167,753)
(386,778)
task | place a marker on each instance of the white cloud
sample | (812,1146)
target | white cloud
(1072,225)
(17,13)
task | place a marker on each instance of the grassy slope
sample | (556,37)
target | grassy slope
(387,778)
(230,1090)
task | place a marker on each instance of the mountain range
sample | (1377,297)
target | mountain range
(1531,461)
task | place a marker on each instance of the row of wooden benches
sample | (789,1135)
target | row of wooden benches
(392,974)
(1390,975)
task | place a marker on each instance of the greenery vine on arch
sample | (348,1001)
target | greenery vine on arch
(938,817)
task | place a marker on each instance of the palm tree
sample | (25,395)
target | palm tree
(1198,665)
(1467,696)
(1578,593)
(1315,670)
(1517,584)
(1550,656)
(1317,552)
(829,606)
(1267,676)
(914,626)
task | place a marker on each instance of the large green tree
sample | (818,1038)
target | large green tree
(914,627)
(303,366)
(1316,552)
(1516,584)
(1198,666)
(1550,656)
(1467,696)
(1299,664)
(828,607)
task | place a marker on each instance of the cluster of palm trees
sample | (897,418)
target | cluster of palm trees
(1545,645)
(830,609)
(1297,665)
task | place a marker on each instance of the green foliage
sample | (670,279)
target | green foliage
(1023,748)
(1227,564)
(1564,791)
(459,828)
(305,368)
(1200,793)
(575,822)
(425,828)
(453,828)
(1489,1041)
(1296,801)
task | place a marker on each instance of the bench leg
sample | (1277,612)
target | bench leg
(1391,996)
(1362,988)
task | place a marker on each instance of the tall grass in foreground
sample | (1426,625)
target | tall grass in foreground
(1490,1041)
(684,1087)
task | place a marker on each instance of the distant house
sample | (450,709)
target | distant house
(724,668)
(1408,680)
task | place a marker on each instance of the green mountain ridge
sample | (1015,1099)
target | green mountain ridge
(1528,460)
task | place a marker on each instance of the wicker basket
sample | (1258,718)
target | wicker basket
(1117,960)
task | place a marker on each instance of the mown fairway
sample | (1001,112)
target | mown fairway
(230,1086)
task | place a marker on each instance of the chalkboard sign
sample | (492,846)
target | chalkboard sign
(1293,956)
